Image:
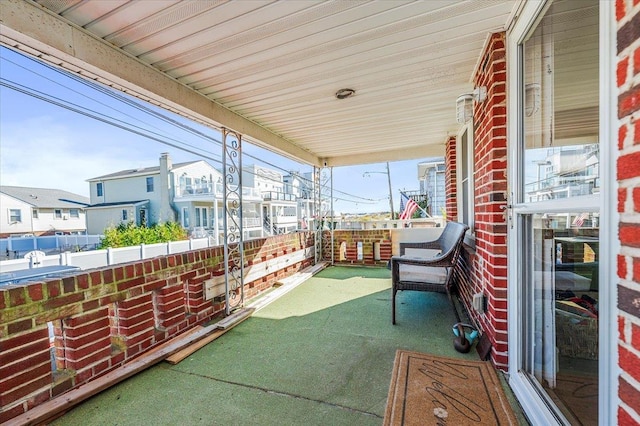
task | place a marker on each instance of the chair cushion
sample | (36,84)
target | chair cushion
(423,274)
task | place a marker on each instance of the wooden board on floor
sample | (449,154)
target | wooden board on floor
(236,319)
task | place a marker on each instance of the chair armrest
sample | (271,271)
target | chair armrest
(437,261)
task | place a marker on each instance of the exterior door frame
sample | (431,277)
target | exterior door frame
(536,410)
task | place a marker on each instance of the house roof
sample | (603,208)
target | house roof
(117,204)
(139,172)
(45,197)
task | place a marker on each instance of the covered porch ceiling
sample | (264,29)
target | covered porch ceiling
(270,70)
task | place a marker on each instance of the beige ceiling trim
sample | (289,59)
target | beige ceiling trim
(30,28)
(384,156)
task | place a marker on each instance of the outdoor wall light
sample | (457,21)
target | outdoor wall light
(345,93)
(464,108)
(464,104)
(531,98)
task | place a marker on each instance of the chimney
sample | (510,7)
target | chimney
(166,213)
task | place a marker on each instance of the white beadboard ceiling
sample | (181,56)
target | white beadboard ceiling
(270,69)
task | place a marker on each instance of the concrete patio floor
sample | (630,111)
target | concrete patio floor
(322,354)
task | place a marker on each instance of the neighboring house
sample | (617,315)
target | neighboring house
(190,193)
(198,195)
(301,186)
(279,208)
(41,211)
(139,195)
(431,174)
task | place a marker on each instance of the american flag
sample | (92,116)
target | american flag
(408,206)
(579,220)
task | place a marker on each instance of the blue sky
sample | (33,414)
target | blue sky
(49,146)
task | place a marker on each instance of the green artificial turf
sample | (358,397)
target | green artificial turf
(321,354)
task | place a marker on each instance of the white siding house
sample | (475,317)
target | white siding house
(280,208)
(143,196)
(190,193)
(40,211)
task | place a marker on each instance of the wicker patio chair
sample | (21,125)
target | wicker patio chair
(434,274)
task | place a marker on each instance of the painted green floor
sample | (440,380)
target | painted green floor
(320,355)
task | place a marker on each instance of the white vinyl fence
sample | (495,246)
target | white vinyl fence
(99,258)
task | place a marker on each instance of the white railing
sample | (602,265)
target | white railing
(18,247)
(212,190)
(435,221)
(110,256)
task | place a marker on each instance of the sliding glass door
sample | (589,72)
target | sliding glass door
(554,216)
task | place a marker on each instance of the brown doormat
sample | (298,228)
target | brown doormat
(432,390)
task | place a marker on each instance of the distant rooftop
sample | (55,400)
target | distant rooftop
(139,171)
(45,197)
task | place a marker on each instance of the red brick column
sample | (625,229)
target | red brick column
(25,367)
(135,323)
(451,183)
(628,176)
(87,339)
(170,306)
(490,182)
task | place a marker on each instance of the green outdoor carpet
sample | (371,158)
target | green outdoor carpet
(321,354)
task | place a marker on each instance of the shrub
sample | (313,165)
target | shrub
(129,234)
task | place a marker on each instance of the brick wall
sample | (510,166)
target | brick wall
(486,269)
(345,246)
(490,182)
(628,176)
(105,317)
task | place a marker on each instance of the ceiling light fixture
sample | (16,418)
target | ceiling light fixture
(345,93)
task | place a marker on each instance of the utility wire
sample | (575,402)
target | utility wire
(125,126)
(137,129)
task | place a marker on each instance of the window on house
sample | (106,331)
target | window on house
(150,184)
(465,173)
(125,215)
(185,217)
(57,213)
(75,213)
(35,213)
(198,217)
(99,189)
(15,215)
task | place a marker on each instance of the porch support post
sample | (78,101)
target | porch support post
(318,214)
(233,232)
(326,187)
(331,215)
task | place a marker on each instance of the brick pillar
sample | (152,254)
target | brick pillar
(490,183)
(135,323)
(628,176)
(86,339)
(170,305)
(25,367)
(451,183)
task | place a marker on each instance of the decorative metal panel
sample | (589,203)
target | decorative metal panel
(233,233)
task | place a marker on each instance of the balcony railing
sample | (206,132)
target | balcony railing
(277,196)
(211,189)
